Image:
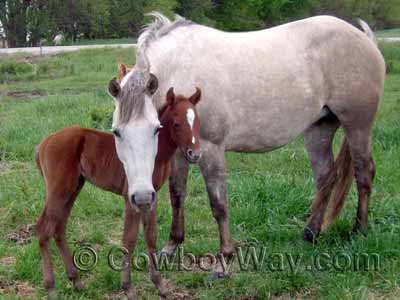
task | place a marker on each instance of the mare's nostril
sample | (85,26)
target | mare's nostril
(153,196)
(133,199)
(190,152)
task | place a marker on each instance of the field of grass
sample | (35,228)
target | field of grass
(269,193)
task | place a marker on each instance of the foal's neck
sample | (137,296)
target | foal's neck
(166,146)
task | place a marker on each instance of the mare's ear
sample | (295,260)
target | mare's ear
(152,84)
(195,98)
(170,97)
(122,71)
(114,88)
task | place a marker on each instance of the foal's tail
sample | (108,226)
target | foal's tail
(344,177)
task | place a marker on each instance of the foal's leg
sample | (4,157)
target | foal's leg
(150,236)
(212,166)
(45,230)
(131,227)
(318,141)
(177,190)
(61,240)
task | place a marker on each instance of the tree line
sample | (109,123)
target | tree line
(27,22)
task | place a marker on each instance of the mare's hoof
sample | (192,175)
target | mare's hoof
(357,228)
(219,275)
(310,236)
(169,249)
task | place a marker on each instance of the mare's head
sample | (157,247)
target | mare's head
(183,122)
(135,127)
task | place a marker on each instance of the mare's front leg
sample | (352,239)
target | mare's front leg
(177,190)
(212,166)
(150,236)
(131,227)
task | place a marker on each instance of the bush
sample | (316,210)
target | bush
(11,70)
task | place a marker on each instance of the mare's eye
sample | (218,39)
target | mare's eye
(157,130)
(176,125)
(116,132)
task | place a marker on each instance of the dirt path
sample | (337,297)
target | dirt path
(58,49)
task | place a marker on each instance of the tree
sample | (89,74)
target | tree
(13,17)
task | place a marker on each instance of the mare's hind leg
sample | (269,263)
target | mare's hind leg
(131,227)
(318,141)
(357,122)
(61,239)
(212,166)
(364,170)
(177,190)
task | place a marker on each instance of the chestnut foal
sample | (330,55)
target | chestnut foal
(74,155)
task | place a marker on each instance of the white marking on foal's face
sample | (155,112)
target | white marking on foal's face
(190,116)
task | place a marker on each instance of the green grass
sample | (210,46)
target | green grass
(269,193)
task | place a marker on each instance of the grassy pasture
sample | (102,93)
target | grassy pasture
(270,195)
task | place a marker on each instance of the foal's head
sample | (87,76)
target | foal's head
(183,122)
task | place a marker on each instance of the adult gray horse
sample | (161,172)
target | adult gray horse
(261,90)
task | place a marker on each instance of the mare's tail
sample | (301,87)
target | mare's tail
(344,178)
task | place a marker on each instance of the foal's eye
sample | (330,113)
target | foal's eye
(116,132)
(176,125)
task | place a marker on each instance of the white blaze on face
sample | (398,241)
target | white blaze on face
(190,118)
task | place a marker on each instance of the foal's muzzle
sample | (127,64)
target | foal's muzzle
(192,156)
(144,201)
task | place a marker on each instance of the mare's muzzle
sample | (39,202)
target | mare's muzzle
(144,201)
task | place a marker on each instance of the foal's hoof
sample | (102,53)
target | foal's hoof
(131,294)
(79,285)
(165,288)
(52,295)
(310,236)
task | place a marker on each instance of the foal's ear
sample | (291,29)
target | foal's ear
(152,84)
(122,71)
(114,88)
(195,98)
(170,97)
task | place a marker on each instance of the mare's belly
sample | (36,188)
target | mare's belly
(268,129)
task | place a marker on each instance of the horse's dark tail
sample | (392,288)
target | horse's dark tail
(344,178)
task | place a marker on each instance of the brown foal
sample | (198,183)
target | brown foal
(74,155)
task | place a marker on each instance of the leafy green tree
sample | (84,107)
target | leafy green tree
(14,21)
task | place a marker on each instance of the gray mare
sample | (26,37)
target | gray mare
(263,89)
